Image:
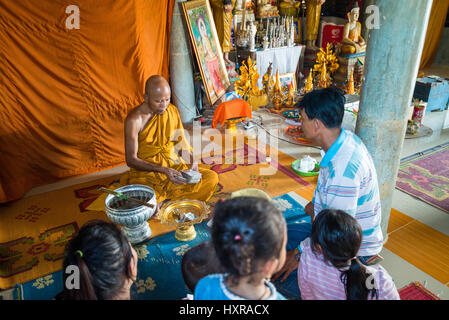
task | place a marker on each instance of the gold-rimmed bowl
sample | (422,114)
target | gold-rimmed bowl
(183,214)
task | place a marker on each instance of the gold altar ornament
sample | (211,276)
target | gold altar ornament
(308,85)
(290,101)
(247,83)
(350,87)
(267,80)
(183,214)
(277,96)
(326,64)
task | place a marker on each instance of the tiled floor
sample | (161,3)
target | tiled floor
(417,248)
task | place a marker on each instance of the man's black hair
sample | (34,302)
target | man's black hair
(327,105)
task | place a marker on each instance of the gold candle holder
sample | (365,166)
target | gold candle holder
(177,213)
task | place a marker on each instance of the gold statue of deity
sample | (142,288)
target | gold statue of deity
(313,21)
(352,41)
(222,13)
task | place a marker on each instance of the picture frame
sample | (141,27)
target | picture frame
(285,80)
(205,43)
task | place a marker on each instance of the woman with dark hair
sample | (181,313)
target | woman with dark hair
(249,236)
(106,261)
(329,268)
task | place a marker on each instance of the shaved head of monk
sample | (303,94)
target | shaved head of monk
(157,94)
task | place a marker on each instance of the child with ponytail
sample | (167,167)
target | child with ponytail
(249,236)
(329,269)
(106,261)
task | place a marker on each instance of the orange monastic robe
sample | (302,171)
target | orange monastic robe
(157,144)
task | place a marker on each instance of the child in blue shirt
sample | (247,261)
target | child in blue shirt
(249,236)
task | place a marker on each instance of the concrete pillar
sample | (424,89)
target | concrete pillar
(181,73)
(391,66)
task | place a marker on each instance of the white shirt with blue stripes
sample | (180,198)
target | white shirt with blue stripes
(348,182)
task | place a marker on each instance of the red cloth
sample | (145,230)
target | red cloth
(416,291)
(236,108)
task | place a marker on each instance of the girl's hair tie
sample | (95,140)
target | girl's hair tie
(237,237)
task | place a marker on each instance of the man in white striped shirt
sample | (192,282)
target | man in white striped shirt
(347,181)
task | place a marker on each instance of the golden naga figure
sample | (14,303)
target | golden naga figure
(352,40)
(313,21)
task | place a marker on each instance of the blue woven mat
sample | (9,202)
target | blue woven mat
(159,267)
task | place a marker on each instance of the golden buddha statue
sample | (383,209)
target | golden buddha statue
(312,22)
(352,40)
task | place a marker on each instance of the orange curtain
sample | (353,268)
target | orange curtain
(64,93)
(434,30)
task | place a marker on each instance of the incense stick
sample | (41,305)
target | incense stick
(122,196)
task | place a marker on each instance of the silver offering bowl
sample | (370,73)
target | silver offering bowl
(131,215)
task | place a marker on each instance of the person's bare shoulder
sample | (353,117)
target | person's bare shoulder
(134,118)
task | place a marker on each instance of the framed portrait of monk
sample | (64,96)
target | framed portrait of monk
(209,56)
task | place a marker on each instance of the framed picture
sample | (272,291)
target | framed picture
(286,79)
(209,56)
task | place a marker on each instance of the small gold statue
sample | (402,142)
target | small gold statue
(308,85)
(352,40)
(267,80)
(277,96)
(290,101)
(350,87)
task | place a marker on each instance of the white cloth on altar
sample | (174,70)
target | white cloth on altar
(284,59)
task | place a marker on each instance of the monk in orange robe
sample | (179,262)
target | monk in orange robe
(150,140)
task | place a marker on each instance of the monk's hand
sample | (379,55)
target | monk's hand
(290,265)
(194,166)
(172,175)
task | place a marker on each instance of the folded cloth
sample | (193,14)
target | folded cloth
(237,108)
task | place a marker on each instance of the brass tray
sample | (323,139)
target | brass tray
(183,214)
